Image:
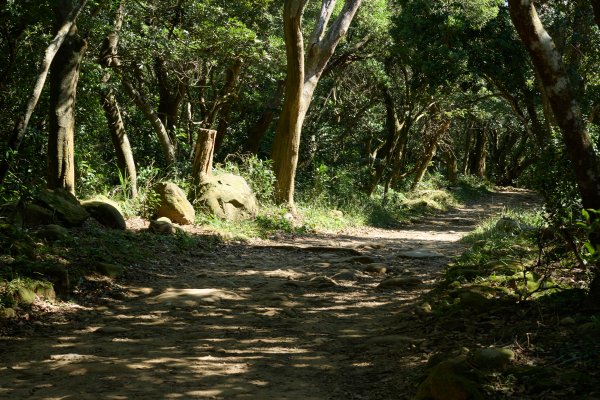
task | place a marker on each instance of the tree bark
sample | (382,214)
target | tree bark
(258,131)
(228,94)
(163,136)
(443,125)
(116,127)
(303,74)
(203,159)
(478,159)
(109,59)
(23,122)
(64,76)
(549,65)
(386,152)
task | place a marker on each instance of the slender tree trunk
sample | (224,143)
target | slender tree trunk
(23,122)
(302,78)
(228,97)
(64,75)
(163,136)
(109,59)
(439,131)
(120,141)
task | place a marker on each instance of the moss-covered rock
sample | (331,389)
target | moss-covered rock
(25,296)
(450,380)
(15,241)
(53,233)
(110,270)
(64,206)
(105,213)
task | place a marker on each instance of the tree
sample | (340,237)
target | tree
(303,73)
(109,59)
(64,75)
(559,91)
(22,123)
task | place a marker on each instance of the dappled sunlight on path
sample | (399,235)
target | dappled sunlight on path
(296,318)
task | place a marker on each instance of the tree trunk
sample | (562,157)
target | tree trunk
(302,78)
(228,96)
(443,125)
(170,98)
(451,166)
(120,141)
(64,75)
(548,63)
(478,159)
(203,159)
(23,122)
(163,136)
(386,153)
(258,131)
(109,59)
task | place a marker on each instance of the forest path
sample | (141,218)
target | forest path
(297,318)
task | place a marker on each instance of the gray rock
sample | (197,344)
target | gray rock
(347,275)
(174,204)
(228,196)
(400,282)
(420,253)
(492,358)
(162,226)
(106,213)
(376,268)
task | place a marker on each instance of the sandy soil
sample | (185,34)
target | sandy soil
(289,318)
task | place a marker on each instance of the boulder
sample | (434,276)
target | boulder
(105,213)
(162,226)
(35,215)
(450,380)
(53,232)
(8,313)
(400,283)
(174,204)
(492,358)
(110,270)
(64,206)
(228,196)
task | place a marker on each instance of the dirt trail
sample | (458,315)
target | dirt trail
(283,319)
